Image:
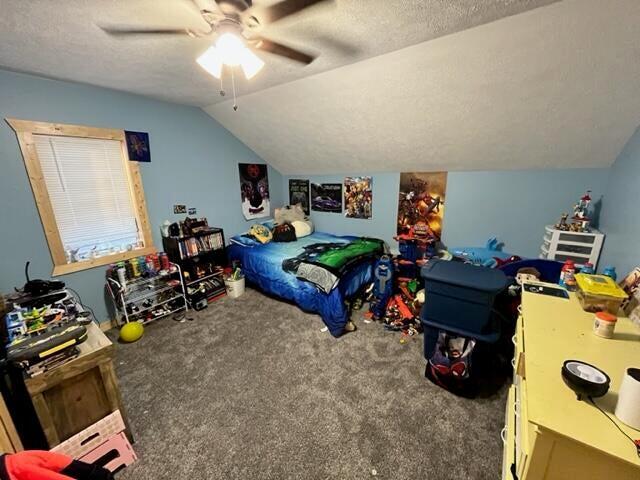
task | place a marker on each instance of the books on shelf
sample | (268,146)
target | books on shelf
(191,247)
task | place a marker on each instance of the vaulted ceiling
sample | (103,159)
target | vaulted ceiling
(62,39)
(554,87)
(399,84)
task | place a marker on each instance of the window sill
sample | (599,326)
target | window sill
(100,261)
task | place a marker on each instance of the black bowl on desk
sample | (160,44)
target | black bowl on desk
(585,379)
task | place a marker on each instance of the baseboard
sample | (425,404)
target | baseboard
(107,325)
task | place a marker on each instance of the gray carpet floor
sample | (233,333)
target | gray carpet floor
(252,389)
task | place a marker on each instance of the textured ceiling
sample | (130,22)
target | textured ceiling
(557,86)
(60,39)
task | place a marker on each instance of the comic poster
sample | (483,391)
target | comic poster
(421,203)
(357,197)
(254,190)
(326,197)
(299,193)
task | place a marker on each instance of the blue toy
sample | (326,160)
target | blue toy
(486,257)
(382,286)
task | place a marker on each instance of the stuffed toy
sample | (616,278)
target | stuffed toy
(289,213)
(260,233)
(42,465)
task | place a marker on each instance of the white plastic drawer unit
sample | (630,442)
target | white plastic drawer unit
(581,247)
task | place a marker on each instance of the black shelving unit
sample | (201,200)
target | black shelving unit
(202,257)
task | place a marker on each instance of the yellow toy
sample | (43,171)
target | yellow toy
(131,332)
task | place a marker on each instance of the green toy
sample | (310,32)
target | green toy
(131,332)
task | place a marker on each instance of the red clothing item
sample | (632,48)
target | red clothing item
(43,465)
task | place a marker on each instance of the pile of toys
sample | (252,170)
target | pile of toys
(580,220)
(397,295)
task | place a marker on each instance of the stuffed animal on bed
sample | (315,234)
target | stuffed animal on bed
(260,233)
(42,465)
(288,213)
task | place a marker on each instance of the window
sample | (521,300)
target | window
(88,193)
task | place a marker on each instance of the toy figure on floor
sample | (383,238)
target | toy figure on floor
(42,465)
(382,286)
(416,246)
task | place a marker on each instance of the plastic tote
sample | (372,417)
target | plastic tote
(460,299)
(235,288)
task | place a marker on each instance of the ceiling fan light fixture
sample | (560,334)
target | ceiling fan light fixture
(251,64)
(211,62)
(231,48)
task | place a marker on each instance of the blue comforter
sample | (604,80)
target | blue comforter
(262,265)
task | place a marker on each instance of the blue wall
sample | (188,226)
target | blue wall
(512,205)
(621,212)
(194,162)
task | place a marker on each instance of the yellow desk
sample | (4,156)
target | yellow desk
(548,433)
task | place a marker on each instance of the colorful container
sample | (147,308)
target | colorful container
(598,293)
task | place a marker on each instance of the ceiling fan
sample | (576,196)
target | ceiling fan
(236,25)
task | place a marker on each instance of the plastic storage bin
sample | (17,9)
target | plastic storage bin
(599,293)
(460,297)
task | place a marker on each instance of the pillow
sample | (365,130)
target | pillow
(244,240)
(269,224)
(260,233)
(288,213)
(302,228)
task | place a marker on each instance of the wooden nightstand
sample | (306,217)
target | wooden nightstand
(75,395)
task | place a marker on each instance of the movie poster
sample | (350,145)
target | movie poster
(254,190)
(326,197)
(421,203)
(357,197)
(299,193)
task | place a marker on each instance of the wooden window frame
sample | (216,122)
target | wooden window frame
(25,130)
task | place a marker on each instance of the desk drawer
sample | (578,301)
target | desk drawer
(508,436)
(518,351)
(522,427)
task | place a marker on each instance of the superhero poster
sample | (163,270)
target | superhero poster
(299,193)
(254,190)
(326,197)
(421,204)
(358,197)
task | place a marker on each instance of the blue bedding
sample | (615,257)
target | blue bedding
(262,266)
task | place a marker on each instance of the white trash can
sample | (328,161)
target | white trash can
(235,288)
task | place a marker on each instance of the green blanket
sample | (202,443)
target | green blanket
(323,264)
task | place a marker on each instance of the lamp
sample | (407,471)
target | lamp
(210,61)
(230,50)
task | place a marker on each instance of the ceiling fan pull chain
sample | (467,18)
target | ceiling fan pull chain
(233,85)
(222,92)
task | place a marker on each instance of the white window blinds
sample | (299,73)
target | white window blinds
(89,192)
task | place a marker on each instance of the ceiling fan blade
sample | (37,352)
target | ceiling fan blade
(123,31)
(284,51)
(283,9)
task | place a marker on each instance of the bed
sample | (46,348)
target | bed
(263,266)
